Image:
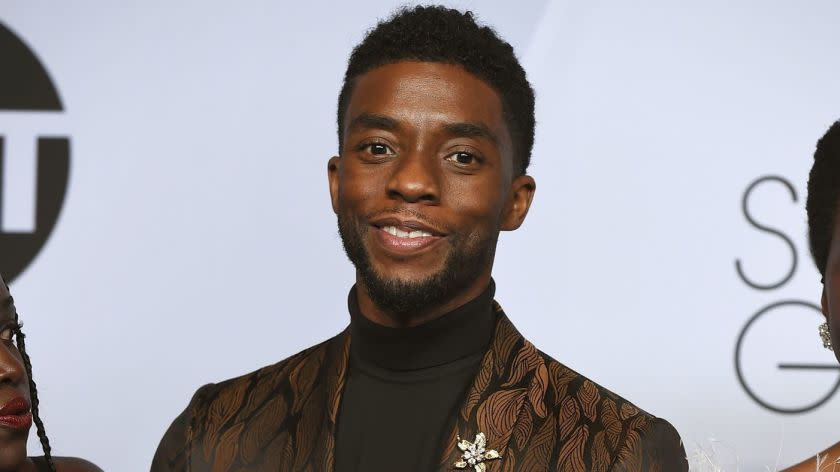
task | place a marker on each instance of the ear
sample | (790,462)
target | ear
(333,170)
(519,202)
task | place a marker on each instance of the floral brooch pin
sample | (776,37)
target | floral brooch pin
(475,453)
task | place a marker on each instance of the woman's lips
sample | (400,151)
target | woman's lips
(17,422)
(15,406)
(15,414)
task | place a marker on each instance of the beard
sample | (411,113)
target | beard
(467,258)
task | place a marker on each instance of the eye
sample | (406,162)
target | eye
(462,158)
(379,149)
(9,332)
(376,148)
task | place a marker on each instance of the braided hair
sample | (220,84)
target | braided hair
(33,391)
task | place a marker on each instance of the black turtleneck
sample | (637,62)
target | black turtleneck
(405,386)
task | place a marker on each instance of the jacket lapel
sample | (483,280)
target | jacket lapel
(512,375)
(327,398)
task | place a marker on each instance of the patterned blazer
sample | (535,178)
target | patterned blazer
(537,413)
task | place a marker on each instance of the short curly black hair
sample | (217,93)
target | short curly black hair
(444,35)
(824,195)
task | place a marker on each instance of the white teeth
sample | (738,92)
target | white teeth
(394,231)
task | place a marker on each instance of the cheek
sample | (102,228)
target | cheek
(834,327)
(25,379)
(358,185)
(834,319)
(24,387)
(475,206)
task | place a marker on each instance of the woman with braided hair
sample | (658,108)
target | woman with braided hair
(19,402)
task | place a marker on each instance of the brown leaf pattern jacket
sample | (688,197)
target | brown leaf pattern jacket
(537,413)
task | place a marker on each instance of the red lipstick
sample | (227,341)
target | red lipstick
(15,414)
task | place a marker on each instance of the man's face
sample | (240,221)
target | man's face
(424,182)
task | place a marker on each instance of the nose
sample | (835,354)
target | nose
(415,179)
(11,365)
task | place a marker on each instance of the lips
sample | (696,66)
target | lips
(15,414)
(406,225)
(405,237)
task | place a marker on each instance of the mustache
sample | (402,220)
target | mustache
(407,212)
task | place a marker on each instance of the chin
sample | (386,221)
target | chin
(408,275)
(12,451)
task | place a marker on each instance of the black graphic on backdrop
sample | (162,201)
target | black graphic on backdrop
(25,86)
(819,398)
(768,229)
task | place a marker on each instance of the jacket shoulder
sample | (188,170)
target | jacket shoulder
(567,384)
(270,374)
(242,398)
(608,428)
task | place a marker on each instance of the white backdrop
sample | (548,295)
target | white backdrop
(197,241)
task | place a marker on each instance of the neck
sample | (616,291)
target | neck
(460,333)
(423,314)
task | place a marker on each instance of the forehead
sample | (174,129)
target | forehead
(427,92)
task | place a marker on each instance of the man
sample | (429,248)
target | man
(435,126)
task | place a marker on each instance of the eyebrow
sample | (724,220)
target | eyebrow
(373,121)
(471,130)
(462,130)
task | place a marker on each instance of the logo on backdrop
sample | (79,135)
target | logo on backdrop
(27,92)
(781,316)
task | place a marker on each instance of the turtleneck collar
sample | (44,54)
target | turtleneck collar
(462,332)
